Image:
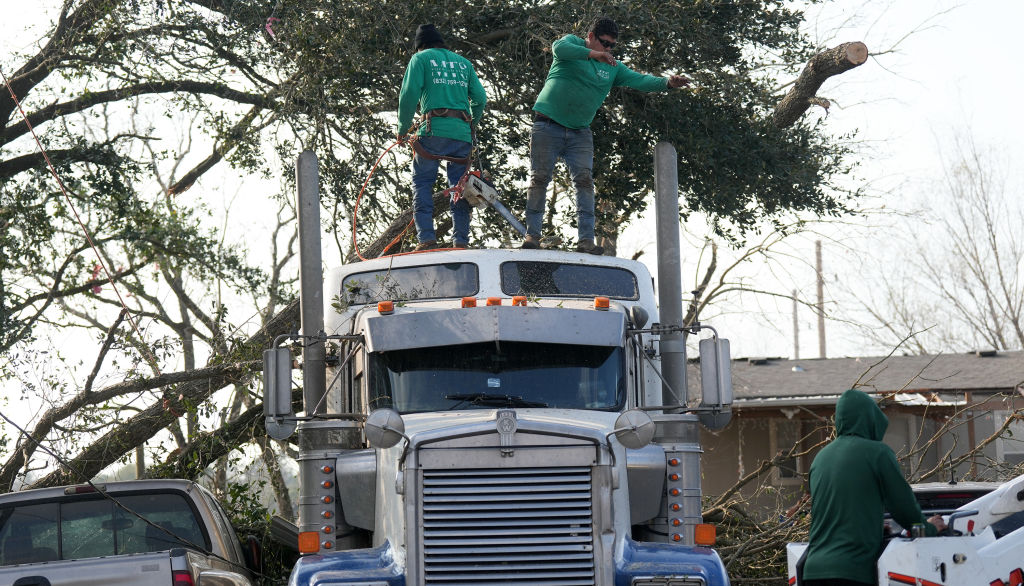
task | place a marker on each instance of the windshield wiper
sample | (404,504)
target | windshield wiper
(491,400)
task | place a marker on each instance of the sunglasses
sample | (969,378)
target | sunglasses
(606,44)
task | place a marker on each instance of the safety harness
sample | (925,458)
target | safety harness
(442,113)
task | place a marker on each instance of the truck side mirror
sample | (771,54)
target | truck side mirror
(384,428)
(277,393)
(715,382)
(634,429)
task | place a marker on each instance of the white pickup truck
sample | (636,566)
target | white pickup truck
(138,532)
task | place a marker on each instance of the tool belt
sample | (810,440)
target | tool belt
(442,113)
(422,152)
(448,113)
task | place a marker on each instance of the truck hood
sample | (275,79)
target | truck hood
(590,423)
(451,327)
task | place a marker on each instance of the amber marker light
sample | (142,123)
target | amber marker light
(677,537)
(469,302)
(309,542)
(602,303)
(519,300)
(494,301)
(673,462)
(673,477)
(326,469)
(385,307)
(704,534)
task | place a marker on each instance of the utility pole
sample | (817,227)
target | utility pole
(821,300)
(796,329)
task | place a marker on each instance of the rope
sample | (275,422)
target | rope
(110,279)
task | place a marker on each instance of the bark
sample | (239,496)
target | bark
(821,67)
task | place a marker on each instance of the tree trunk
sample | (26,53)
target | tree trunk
(399,224)
(821,67)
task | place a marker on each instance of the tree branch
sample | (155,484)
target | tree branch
(821,67)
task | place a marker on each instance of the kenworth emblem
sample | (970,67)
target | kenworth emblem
(506,424)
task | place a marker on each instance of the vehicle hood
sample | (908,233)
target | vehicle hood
(594,422)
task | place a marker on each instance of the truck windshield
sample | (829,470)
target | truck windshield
(504,374)
(457,279)
(555,279)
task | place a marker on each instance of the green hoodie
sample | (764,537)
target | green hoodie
(854,480)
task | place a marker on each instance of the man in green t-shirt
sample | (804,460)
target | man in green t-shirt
(447,91)
(581,75)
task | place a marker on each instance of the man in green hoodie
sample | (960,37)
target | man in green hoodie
(854,480)
(449,95)
(582,73)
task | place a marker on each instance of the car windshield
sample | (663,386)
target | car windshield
(498,374)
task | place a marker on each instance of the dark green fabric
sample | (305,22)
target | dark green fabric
(437,78)
(854,480)
(577,85)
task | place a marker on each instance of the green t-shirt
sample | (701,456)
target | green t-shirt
(577,85)
(438,78)
(854,480)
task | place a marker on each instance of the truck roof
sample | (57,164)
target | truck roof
(35,494)
(445,277)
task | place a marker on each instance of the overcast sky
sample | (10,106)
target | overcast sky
(938,68)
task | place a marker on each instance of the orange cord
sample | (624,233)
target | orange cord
(458,187)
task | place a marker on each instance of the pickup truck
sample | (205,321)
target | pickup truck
(144,532)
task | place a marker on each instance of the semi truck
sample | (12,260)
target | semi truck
(499,417)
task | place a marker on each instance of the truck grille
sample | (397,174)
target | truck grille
(508,526)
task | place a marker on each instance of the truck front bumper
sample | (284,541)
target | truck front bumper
(641,564)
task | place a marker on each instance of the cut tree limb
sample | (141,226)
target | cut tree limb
(821,67)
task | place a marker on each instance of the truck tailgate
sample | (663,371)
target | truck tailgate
(143,569)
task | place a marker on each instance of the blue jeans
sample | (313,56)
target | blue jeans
(424,173)
(549,142)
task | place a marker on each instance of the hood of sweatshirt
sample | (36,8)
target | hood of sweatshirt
(858,414)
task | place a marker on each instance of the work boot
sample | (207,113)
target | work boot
(589,247)
(460,245)
(530,242)
(426,245)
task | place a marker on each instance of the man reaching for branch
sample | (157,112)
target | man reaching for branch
(581,75)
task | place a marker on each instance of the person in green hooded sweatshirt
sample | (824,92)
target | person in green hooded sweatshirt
(853,481)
